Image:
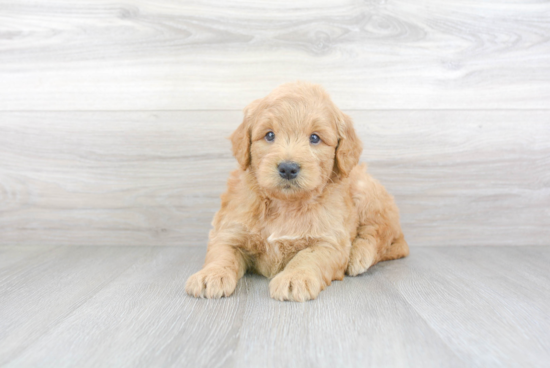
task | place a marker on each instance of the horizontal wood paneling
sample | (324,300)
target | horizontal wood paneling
(168,54)
(154,178)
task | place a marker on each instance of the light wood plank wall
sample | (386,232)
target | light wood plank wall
(113,115)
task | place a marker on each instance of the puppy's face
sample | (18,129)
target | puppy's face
(295,140)
(292,148)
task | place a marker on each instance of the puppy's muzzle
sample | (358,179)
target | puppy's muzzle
(288,170)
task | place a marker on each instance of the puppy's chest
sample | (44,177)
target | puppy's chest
(292,231)
(273,252)
(279,239)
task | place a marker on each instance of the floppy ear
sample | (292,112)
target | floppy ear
(240,139)
(349,147)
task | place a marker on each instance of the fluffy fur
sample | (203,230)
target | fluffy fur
(333,219)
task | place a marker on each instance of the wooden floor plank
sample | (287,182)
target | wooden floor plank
(442,306)
(37,294)
(144,318)
(360,322)
(12,254)
(105,55)
(481,314)
(154,178)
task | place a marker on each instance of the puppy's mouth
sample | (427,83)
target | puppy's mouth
(290,185)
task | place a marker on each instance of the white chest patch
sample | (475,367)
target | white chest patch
(274,238)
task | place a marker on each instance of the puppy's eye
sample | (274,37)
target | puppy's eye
(270,136)
(314,139)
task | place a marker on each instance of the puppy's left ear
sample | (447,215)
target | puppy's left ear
(349,147)
(240,139)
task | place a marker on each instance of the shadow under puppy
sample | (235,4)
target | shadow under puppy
(299,210)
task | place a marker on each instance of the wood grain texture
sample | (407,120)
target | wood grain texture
(440,307)
(154,178)
(173,54)
(37,293)
(453,285)
(10,255)
(360,322)
(144,318)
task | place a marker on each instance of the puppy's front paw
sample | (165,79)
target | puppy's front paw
(297,286)
(211,283)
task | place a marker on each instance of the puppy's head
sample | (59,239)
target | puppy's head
(294,140)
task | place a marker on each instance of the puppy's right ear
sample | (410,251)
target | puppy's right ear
(240,139)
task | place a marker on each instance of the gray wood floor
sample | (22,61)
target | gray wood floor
(126,307)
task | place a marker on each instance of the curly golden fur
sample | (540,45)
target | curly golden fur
(332,218)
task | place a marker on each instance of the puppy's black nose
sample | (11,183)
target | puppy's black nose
(288,170)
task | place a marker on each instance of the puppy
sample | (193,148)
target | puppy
(299,210)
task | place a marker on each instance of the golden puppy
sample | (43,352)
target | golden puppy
(299,209)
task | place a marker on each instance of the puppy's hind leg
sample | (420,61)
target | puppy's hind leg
(363,254)
(372,246)
(398,249)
